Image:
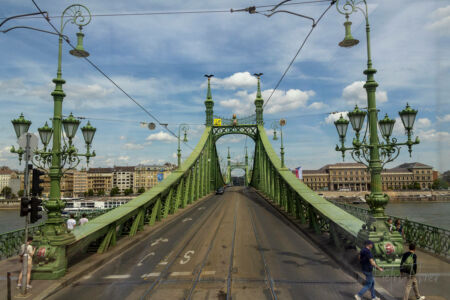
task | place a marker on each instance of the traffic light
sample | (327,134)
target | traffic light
(35,209)
(36,189)
(24,206)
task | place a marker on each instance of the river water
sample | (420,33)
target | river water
(435,214)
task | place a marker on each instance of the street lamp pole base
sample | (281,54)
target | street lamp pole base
(388,246)
(50,259)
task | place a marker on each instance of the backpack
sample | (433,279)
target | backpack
(408,265)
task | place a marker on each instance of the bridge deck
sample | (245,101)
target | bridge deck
(233,243)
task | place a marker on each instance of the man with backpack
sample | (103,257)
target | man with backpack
(367,263)
(408,267)
(29,250)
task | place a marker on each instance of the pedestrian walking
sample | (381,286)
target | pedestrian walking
(399,227)
(71,223)
(29,250)
(367,264)
(390,225)
(83,219)
(408,268)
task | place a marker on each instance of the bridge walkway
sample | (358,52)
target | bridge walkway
(237,245)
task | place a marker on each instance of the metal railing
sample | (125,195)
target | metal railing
(11,241)
(428,237)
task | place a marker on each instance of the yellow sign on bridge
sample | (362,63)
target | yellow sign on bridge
(217,122)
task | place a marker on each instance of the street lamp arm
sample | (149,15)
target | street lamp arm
(44,13)
(352,6)
(36,29)
(292,13)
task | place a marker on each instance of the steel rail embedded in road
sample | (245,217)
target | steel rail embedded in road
(199,272)
(230,268)
(269,278)
(165,272)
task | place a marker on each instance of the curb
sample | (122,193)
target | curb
(93,262)
(347,267)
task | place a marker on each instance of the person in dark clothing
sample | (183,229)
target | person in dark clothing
(408,267)
(367,263)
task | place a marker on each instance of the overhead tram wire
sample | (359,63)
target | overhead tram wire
(299,49)
(181,12)
(107,77)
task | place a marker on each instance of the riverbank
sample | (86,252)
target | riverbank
(394,196)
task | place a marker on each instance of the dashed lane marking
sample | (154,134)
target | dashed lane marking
(180,273)
(118,276)
(208,273)
(156,274)
(163,263)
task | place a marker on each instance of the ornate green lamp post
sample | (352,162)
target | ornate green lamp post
(51,241)
(185,129)
(373,153)
(282,123)
(275,127)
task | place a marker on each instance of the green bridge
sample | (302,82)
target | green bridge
(198,176)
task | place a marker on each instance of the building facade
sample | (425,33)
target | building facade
(80,183)
(123,178)
(100,180)
(355,177)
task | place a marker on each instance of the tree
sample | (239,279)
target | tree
(128,192)
(439,184)
(90,193)
(6,191)
(101,193)
(20,193)
(141,190)
(114,191)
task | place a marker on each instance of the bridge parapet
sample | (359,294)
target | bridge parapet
(196,177)
(428,237)
(296,198)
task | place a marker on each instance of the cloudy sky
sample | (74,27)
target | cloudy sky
(160,61)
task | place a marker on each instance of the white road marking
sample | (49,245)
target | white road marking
(118,276)
(163,263)
(187,257)
(142,260)
(87,276)
(180,273)
(201,208)
(156,274)
(208,272)
(159,240)
(187,219)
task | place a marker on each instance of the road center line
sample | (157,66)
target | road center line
(180,273)
(156,274)
(208,272)
(118,276)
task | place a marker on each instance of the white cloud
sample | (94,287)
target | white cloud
(235,81)
(433,135)
(331,118)
(356,94)
(441,21)
(445,118)
(122,137)
(422,123)
(123,158)
(174,155)
(281,101)
(131,146)
(161,136)
(317,105)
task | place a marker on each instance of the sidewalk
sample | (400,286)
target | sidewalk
(433,272)
(44,288)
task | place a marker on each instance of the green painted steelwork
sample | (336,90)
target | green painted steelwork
(11,241)
(428,237)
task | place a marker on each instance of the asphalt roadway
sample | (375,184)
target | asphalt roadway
(231,246)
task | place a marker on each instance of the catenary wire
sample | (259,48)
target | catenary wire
(180,12)
(298,51)
(113,82)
